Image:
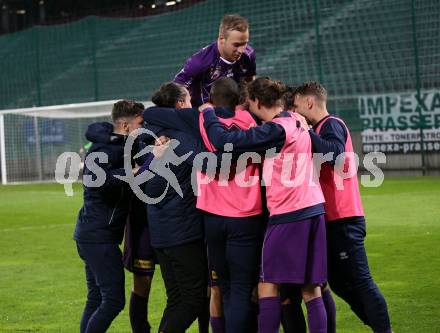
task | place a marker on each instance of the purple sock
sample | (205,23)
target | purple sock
(218,324)
(316,316)
(138,313)
(270,315)
(330,308)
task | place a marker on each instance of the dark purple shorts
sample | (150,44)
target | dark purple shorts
(295,252)
(138,254)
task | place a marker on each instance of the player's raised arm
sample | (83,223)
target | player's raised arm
(331,139)
(258,139)
(264,99)
(192,69)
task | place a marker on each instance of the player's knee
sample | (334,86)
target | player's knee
(93,302)
(113,306)
(371,293)
(364,284)
(94,297)
(310,292)
(267,290)
(115,300)
(119,305)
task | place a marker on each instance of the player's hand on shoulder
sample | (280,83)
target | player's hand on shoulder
(205,106)
(135,170)
(302,121)
(161,144)
(161,140)
(159,151)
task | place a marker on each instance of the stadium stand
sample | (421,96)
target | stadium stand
(355,47)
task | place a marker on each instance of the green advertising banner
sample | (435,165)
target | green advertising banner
(395,123)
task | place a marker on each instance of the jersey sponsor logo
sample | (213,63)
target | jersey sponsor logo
(215,73)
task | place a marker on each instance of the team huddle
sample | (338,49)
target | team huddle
(256,238)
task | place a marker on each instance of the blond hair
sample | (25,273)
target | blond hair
(231,22)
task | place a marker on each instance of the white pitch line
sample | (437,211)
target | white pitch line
(48,226)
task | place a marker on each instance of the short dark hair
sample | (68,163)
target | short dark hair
(288,97)
(224,92)
(232,22)
(268,91)
(312,88)
(126,109)
(169,94)
(243,99)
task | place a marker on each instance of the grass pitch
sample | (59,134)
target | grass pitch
(42,284)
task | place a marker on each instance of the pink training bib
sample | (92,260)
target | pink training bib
(290,185)
(228,197)
(342,197)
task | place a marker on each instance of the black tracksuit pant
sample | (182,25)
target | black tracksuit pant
(183,270)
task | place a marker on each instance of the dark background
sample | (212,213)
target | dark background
(16,15)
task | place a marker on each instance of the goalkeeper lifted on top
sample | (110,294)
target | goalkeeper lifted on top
(230,56)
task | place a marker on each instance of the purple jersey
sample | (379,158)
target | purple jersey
(206,66)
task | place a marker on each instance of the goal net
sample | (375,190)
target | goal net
(31,139)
